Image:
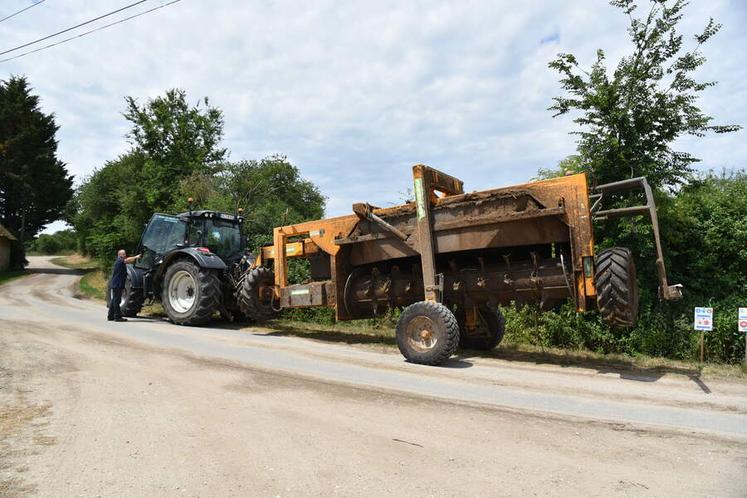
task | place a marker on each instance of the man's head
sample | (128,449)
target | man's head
(121,253)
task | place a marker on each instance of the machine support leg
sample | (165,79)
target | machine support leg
(281,262)
(425,233)
(666,291)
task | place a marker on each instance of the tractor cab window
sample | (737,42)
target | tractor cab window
(162,234)
(195,231)
(223,238)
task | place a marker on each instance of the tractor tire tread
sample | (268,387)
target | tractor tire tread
(436,311)
(247,295)
(617,290)
(209,294)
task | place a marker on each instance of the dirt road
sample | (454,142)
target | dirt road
(146,408)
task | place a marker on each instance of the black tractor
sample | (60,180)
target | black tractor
(197,265)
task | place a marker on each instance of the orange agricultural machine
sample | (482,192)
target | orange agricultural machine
(449,258)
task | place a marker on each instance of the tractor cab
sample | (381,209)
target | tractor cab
(220,233)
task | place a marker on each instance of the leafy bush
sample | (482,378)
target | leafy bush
(56,243)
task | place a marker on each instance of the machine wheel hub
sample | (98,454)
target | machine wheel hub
(182,291)
(420,333)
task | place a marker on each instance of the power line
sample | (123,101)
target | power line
(89,32)
(74,27)
(14,14)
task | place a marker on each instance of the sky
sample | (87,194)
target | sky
(355,93)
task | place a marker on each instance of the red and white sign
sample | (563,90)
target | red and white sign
(703,319)
(742,320)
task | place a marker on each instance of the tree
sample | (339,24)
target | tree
(61,241)
(34,184)
(568,166)
(176,140)
(706,236)
(170,141)
(630,118)
(112,207)
(176,155)
(271,192)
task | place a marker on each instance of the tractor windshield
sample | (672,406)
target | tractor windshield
(162,234)
(223,238)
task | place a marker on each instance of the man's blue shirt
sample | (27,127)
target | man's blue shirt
(119,274)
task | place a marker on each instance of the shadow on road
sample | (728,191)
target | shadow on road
(626,369)
(58,271)
(330,335)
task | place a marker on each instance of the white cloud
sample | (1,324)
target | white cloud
(356,92)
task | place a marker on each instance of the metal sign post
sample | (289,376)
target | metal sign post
(742,327)
(703,321)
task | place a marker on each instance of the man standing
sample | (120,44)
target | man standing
(119,277)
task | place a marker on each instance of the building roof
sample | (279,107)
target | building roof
(5,233)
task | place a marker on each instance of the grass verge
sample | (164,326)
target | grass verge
(11,275)
(38,253)
(93,285)
(75,261)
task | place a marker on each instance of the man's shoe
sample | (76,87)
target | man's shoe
(120,319)
(110,319)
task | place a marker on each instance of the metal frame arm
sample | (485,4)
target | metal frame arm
(666,291)
(427,181)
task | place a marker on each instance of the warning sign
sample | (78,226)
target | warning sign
(742,319)
(704,319)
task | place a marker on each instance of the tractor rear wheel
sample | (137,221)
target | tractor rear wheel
(190,294)
(255,294)
(491,326)
(617,289)
(132,299)
(427,333)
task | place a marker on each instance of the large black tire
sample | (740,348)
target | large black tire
(491,327)
(254,294)
(427,333)
(617,289)
(190,294)
(132,299)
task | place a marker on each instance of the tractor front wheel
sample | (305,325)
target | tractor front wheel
(190,294)
(427,333)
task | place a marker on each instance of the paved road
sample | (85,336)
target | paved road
(145,407)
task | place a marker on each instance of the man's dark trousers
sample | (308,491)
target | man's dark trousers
(114,311)
(119,277)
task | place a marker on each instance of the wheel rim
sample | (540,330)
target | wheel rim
(421,334)
(182,293)
(125,293)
